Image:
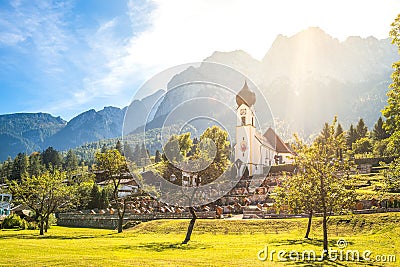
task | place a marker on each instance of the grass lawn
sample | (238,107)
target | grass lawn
(214,243)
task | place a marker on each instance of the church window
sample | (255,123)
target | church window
(243,121)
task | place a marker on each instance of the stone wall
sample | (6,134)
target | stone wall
(108,221)
(87,220)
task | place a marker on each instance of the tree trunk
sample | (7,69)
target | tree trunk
(41,226)
(309,224)
(120,223)
(121,214)
(191,225)
(324,219)
(46,226)
(325,230)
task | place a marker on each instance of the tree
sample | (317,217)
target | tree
(136,155)
(339,130)
(128,152)
(351,136)
(323,176)
(44,194)
(71,161)
(118,147)
(330,173)
(361,129)
(20,167)
(298,192)
(36,166)
(392,109)
(114,164)
(392,177)
(362,145)
(95,197)
(379,133)
(51,158)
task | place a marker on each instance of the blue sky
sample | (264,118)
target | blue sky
(65,57)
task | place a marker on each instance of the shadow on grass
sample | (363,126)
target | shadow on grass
(305,241)
(163,246)
(50,236)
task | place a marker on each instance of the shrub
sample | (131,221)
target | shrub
(14,221)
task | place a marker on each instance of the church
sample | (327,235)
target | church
(255,150)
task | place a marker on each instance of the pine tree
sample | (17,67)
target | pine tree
(118,147)
(51,158)
(35,164)
(361,129)
(71,161)
(351,136)
(339,130)
(137,155)
(20,167)
(128,152)
(95,196)
(379,133)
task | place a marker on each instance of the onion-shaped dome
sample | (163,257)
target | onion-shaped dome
(246,96)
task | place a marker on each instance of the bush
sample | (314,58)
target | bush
(14,221)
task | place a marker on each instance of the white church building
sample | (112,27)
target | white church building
(254,149)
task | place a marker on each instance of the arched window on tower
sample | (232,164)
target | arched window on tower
(243,120)
(252,121)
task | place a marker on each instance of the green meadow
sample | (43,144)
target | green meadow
(214,243)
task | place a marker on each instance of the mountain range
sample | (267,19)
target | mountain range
(306,78)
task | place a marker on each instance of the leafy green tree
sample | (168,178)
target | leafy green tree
(44,194)
(83,195)
(392,109)
(325,176)
(299,191)
(380,148)
(362,145)
(392,177)
(379,133)
(172,149)
(114,164)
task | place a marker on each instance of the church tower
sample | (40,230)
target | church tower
(245,129)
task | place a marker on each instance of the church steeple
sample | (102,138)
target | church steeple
(246,96)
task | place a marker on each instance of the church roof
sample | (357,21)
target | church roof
(276,141)
(245,96)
